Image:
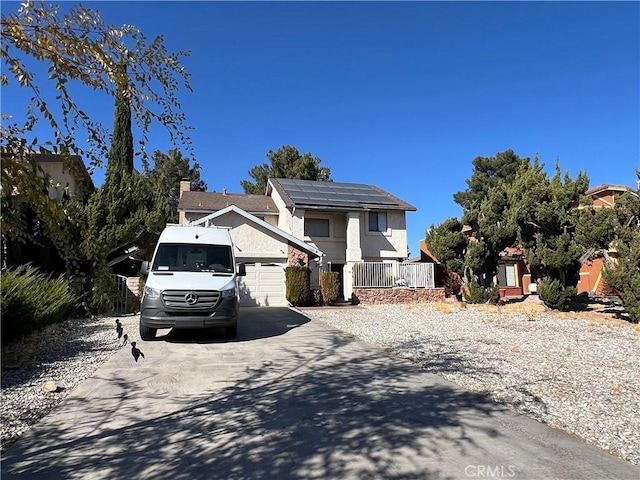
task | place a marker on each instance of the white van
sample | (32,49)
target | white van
(191,282)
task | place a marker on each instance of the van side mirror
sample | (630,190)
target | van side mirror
(144,268)
(242,270)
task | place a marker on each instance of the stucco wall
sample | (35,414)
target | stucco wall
(251,240)
(385,245)
(374,296)
(60,177)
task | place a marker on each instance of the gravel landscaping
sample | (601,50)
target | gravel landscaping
(578,372)
(41,370)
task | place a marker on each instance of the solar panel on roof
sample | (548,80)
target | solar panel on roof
(333,194)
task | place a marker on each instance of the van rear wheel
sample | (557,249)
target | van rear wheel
(232,331)
(147,333)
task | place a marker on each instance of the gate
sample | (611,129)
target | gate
(123,301)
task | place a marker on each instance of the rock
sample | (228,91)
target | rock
(50,386)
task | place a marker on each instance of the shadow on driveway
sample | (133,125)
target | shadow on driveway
(308,403)
(252,325)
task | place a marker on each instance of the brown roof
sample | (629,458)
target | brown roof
(605,187)
(425,253)
(212,202)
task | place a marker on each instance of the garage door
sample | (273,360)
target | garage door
(263,285)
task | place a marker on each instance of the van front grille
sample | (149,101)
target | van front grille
(191,299)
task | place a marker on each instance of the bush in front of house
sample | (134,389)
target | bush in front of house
(298,284)
(476,293)
(32,300)
(554,295)
(330,286)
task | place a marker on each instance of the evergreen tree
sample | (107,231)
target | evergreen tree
(285,163)
(448,243)
(165,176)
(624,275)
(544,211)
(485,205)
(118,213)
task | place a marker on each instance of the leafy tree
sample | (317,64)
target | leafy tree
(285,163)
(624,275)
(165,176)
(447,242)
(78,48)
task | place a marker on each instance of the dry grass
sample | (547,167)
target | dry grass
(528,308)
(617,388)
(443,307)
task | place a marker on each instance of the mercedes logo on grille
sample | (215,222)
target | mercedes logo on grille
(191,298)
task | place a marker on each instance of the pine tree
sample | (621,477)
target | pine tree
(285,163)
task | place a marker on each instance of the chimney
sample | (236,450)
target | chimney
(185,186)
(224,191)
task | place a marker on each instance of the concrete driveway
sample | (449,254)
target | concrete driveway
(289,398)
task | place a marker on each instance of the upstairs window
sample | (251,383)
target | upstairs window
(316,227)
(377,221)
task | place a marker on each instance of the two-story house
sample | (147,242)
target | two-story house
(328,226)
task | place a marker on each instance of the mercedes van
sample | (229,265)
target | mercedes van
(192,282)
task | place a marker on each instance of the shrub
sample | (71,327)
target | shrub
(32,300)
(298,284)
(554,295)
(330,286)
(476,293)
(626,283)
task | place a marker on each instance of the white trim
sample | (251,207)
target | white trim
(252,218)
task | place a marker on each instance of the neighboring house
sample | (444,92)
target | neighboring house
(64,181)
(328,226)
(65,178)
(514,276)
(591,280)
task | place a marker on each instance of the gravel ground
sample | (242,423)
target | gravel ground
(41,370)
(576,372)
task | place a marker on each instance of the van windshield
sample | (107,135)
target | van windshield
(181,257)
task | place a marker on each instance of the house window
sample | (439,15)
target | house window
(511,276)
(316,227)
(377,221)
(507,275)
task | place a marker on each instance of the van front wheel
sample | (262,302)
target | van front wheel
(147,333)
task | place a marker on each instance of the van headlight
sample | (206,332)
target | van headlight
(151,292)
(229,293)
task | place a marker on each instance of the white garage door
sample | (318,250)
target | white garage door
(263,285)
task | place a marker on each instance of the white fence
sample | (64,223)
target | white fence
(389,275)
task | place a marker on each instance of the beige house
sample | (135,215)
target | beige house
(328,226)
(63,180)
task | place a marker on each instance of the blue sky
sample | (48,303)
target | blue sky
(402,95)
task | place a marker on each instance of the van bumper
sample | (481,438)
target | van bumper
(153,314)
